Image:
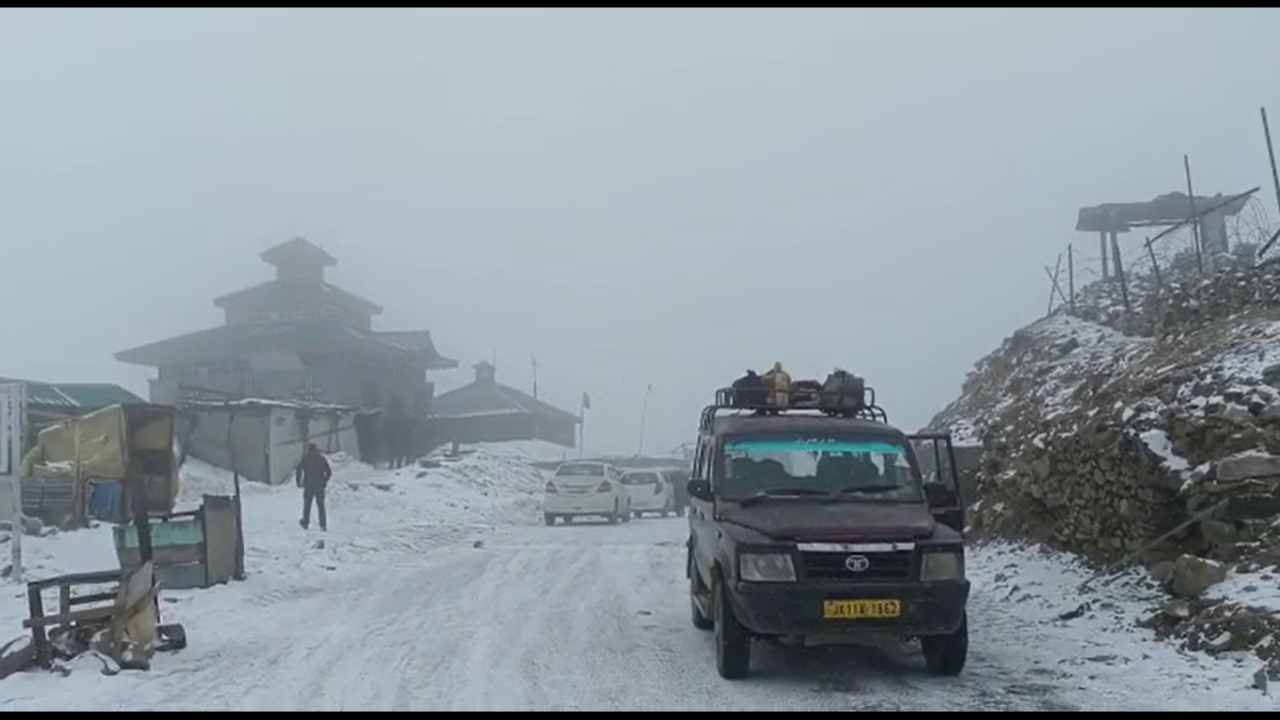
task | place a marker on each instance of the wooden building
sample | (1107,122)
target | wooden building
(297,337)
(485,411)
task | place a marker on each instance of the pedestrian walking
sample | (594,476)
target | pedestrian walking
(313,475)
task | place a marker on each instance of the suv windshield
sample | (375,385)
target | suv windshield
(872,469)
(581,470)
(641,478)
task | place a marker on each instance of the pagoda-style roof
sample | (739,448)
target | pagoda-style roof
(238,342)
(298,251)
(303,292)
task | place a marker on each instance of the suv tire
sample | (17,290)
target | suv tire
(700,621)
(733,644)
(549,519)
(945,654)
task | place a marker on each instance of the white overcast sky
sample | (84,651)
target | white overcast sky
(631,196)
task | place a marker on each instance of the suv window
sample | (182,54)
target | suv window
(871,469)
(639,478)
(580,470)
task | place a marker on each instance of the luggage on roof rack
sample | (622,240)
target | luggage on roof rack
(842,394)
(843,391)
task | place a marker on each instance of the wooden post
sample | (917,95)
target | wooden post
(141,518)
(1054,287)
(1155,266)
(1118,268)
(39,638)
(1071,277)
(1195,222)
(1102,249)
(79,517)
(235,477)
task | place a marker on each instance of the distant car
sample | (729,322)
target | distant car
(650,493)
(586,488)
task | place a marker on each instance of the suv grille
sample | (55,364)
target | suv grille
(894,565)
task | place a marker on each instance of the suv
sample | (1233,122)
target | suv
(814,526)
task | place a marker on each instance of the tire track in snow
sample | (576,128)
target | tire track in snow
(565,573)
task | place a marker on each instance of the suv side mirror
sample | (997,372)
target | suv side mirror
(700,489)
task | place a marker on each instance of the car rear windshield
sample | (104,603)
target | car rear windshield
(642,478)
(580,470)
(870,469)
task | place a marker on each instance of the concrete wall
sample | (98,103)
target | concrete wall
(204,436)
(556,431)
(501,428)
(290,433)
(338,380)
(269,441)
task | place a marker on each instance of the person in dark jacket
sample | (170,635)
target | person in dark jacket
(313,475)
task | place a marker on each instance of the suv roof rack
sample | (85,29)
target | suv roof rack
(860,404)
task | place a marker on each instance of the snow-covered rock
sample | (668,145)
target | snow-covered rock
(1150,432)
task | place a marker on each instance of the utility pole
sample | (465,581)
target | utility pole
(1071,277)
(1271,155)
(534,360)
(644,413)
(13,419)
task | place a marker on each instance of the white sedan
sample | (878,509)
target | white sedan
(650,493)
(586,488)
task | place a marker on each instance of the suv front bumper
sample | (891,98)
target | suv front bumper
(796,608)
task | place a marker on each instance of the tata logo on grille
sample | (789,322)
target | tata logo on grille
(857,563)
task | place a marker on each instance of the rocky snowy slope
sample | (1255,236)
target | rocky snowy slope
(1151,436)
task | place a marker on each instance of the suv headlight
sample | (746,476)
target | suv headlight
(936,566)
(766,567)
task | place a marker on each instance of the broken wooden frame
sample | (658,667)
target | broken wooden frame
(128,613)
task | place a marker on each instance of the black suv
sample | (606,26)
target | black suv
(814,526)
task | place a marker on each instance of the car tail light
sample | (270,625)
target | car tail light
(551,488)
(657,489)
(605,486)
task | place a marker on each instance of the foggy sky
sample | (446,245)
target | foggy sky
(631,196)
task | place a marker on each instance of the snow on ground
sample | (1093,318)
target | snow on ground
(371,512)
(1091,636)
(443,593)
(1255,589)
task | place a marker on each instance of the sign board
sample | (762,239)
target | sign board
(13,424)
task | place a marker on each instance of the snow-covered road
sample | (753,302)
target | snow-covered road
(595,617)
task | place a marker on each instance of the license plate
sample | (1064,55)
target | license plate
(860,609)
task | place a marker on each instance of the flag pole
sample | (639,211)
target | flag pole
(644,413)
(582,424)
